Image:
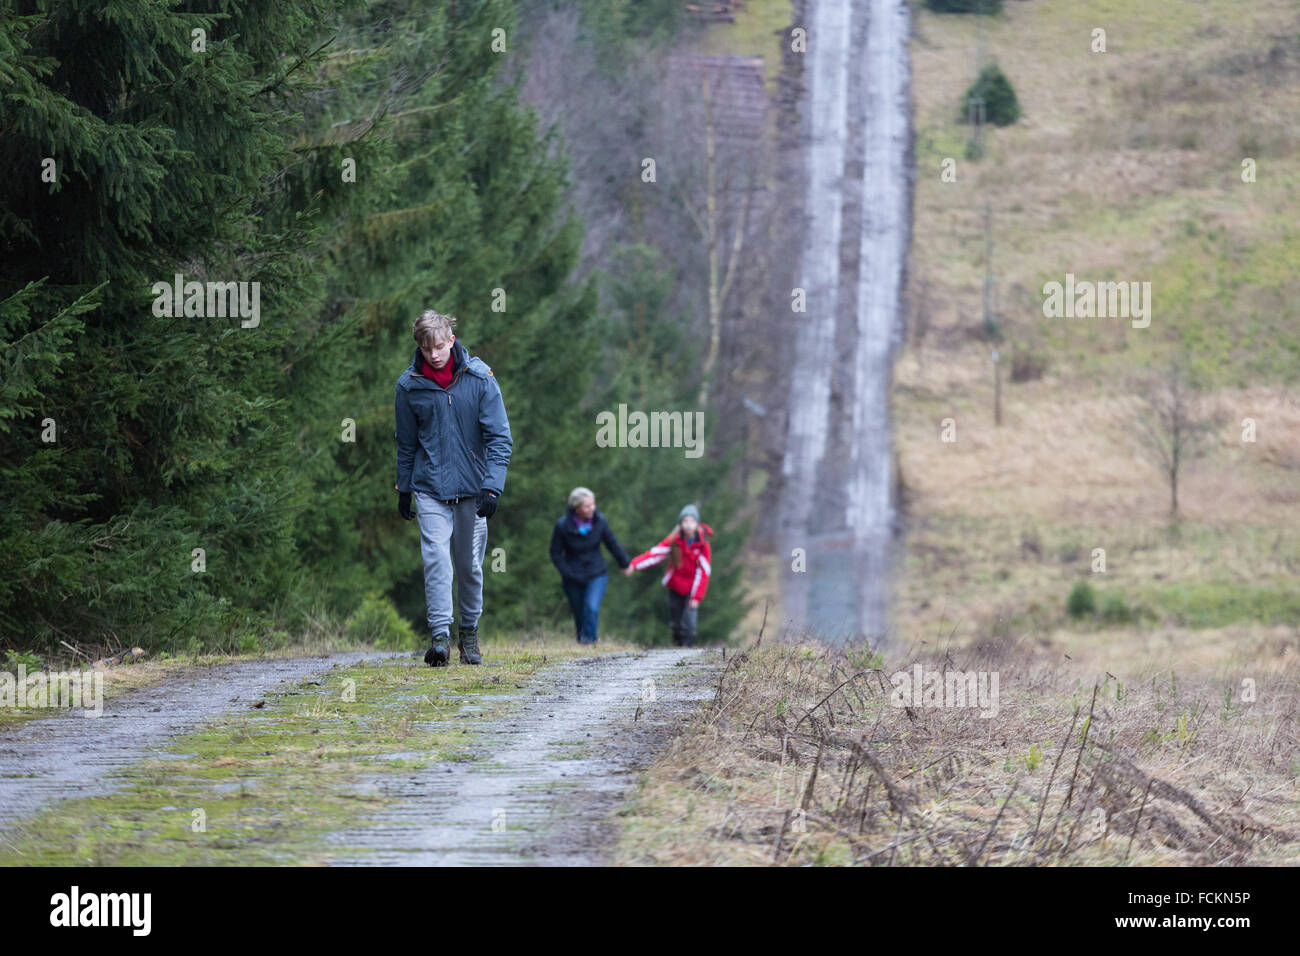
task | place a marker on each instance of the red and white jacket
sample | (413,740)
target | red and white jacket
(690,578)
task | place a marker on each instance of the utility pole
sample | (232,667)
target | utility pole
(977,150)
(990,323)
(997,389)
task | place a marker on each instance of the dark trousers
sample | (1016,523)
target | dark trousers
(584,600)
(682,617)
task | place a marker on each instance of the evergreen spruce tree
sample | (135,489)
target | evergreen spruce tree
(137,148)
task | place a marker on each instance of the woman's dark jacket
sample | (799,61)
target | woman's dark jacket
(577,556)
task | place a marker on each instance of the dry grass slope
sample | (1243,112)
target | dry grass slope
(1127,166)
(802,759)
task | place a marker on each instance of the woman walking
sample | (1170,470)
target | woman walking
(575,552)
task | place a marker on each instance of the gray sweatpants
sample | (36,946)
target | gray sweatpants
(451,535)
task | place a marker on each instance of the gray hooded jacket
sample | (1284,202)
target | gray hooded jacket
(451,442)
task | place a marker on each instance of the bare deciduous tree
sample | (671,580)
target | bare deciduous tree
(715,151)
(724,210)
(709,225)
(1174,425)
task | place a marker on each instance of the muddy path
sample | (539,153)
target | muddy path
(549,774)
(535,779)
(68,756)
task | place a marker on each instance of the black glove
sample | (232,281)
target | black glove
(404,505)
(487,503)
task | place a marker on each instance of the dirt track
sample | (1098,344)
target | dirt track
(74,756)
(540,788)
(550,772)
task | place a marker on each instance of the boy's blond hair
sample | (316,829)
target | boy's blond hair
(432,326)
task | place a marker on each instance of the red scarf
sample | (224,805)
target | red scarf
(441,377)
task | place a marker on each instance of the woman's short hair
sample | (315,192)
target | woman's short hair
(432,326)
(578,495)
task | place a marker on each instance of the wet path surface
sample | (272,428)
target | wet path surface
(69,756)
(549,772)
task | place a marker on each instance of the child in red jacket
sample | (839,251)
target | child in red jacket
(687,578)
